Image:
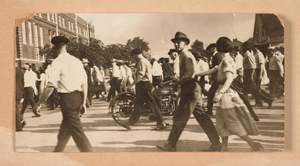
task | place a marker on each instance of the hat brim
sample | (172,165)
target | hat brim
(183,39)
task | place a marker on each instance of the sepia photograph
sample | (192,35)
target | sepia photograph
(150,82)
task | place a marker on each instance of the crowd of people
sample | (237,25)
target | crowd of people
(232,73)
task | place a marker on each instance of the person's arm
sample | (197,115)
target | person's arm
(207,72)
(84,88)
(47,92)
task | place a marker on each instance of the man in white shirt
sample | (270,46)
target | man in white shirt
(175,58)
(157,72)
(201,67)
(30,90)
(238,58)
(114,80)
(122,77)
(68,75)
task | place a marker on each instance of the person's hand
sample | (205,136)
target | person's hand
(36,107)
(129,86)
(82,110)
(175,87)
(217,97)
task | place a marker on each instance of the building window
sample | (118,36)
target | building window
(69,25)
(79,31)
(40,15)
(48,16)
(53,34)
(72,27)
(53,20)
(36,35)
(24,33)
(63,22)
(41,37)
(49,35)
(30,33)
(59,20)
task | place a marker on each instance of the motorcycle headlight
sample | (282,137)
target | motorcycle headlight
(165,91)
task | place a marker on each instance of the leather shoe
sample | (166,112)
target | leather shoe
(270,104)
(160,127)
(214,147)
(167,147)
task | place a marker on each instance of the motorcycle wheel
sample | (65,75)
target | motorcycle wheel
(122,111)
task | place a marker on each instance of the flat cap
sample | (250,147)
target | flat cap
(59,39)
(136,51)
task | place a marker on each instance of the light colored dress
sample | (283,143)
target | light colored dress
(232,115)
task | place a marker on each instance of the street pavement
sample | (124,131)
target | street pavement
(105,135)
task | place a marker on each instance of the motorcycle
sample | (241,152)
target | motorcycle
(122,105)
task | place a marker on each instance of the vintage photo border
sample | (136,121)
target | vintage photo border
(15,10)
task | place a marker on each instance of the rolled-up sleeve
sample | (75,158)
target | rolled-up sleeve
(141,69)
(228,66)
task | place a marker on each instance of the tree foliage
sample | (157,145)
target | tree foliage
(96,52)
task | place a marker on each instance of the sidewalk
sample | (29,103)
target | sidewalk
(40,134)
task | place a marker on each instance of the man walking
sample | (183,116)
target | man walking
(68,75)
(143,88)
(249,66)
(190,101)
(20,122)
(259,94)
(87,69)
(30,90)
(212,50)
(114,80)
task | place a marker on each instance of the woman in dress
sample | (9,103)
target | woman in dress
(232,115)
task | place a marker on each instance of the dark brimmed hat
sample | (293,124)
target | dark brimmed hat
(196,55)
(136,51)
(236,48)
(59,39)
(171,51)
(181,36)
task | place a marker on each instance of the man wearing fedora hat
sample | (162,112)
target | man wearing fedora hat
(68,75)
(190,101)
(87,69)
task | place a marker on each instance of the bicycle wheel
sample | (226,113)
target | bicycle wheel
(122,111)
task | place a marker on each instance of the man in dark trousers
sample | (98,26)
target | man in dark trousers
(68,75)
(190,101)
(212,49)
(87,69)
(20,122)
(143,88)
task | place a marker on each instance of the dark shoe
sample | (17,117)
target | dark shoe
(87,106)
(257,147)
(214,147)
(258,105)
(23,123)
(270,104)
(19,129)
(36,115)
(167,147)
(209,112)
(128,127)
(161,127)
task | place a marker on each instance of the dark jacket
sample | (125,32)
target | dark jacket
(89,74)
(19,83)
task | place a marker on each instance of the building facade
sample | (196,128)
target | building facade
(38,31)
